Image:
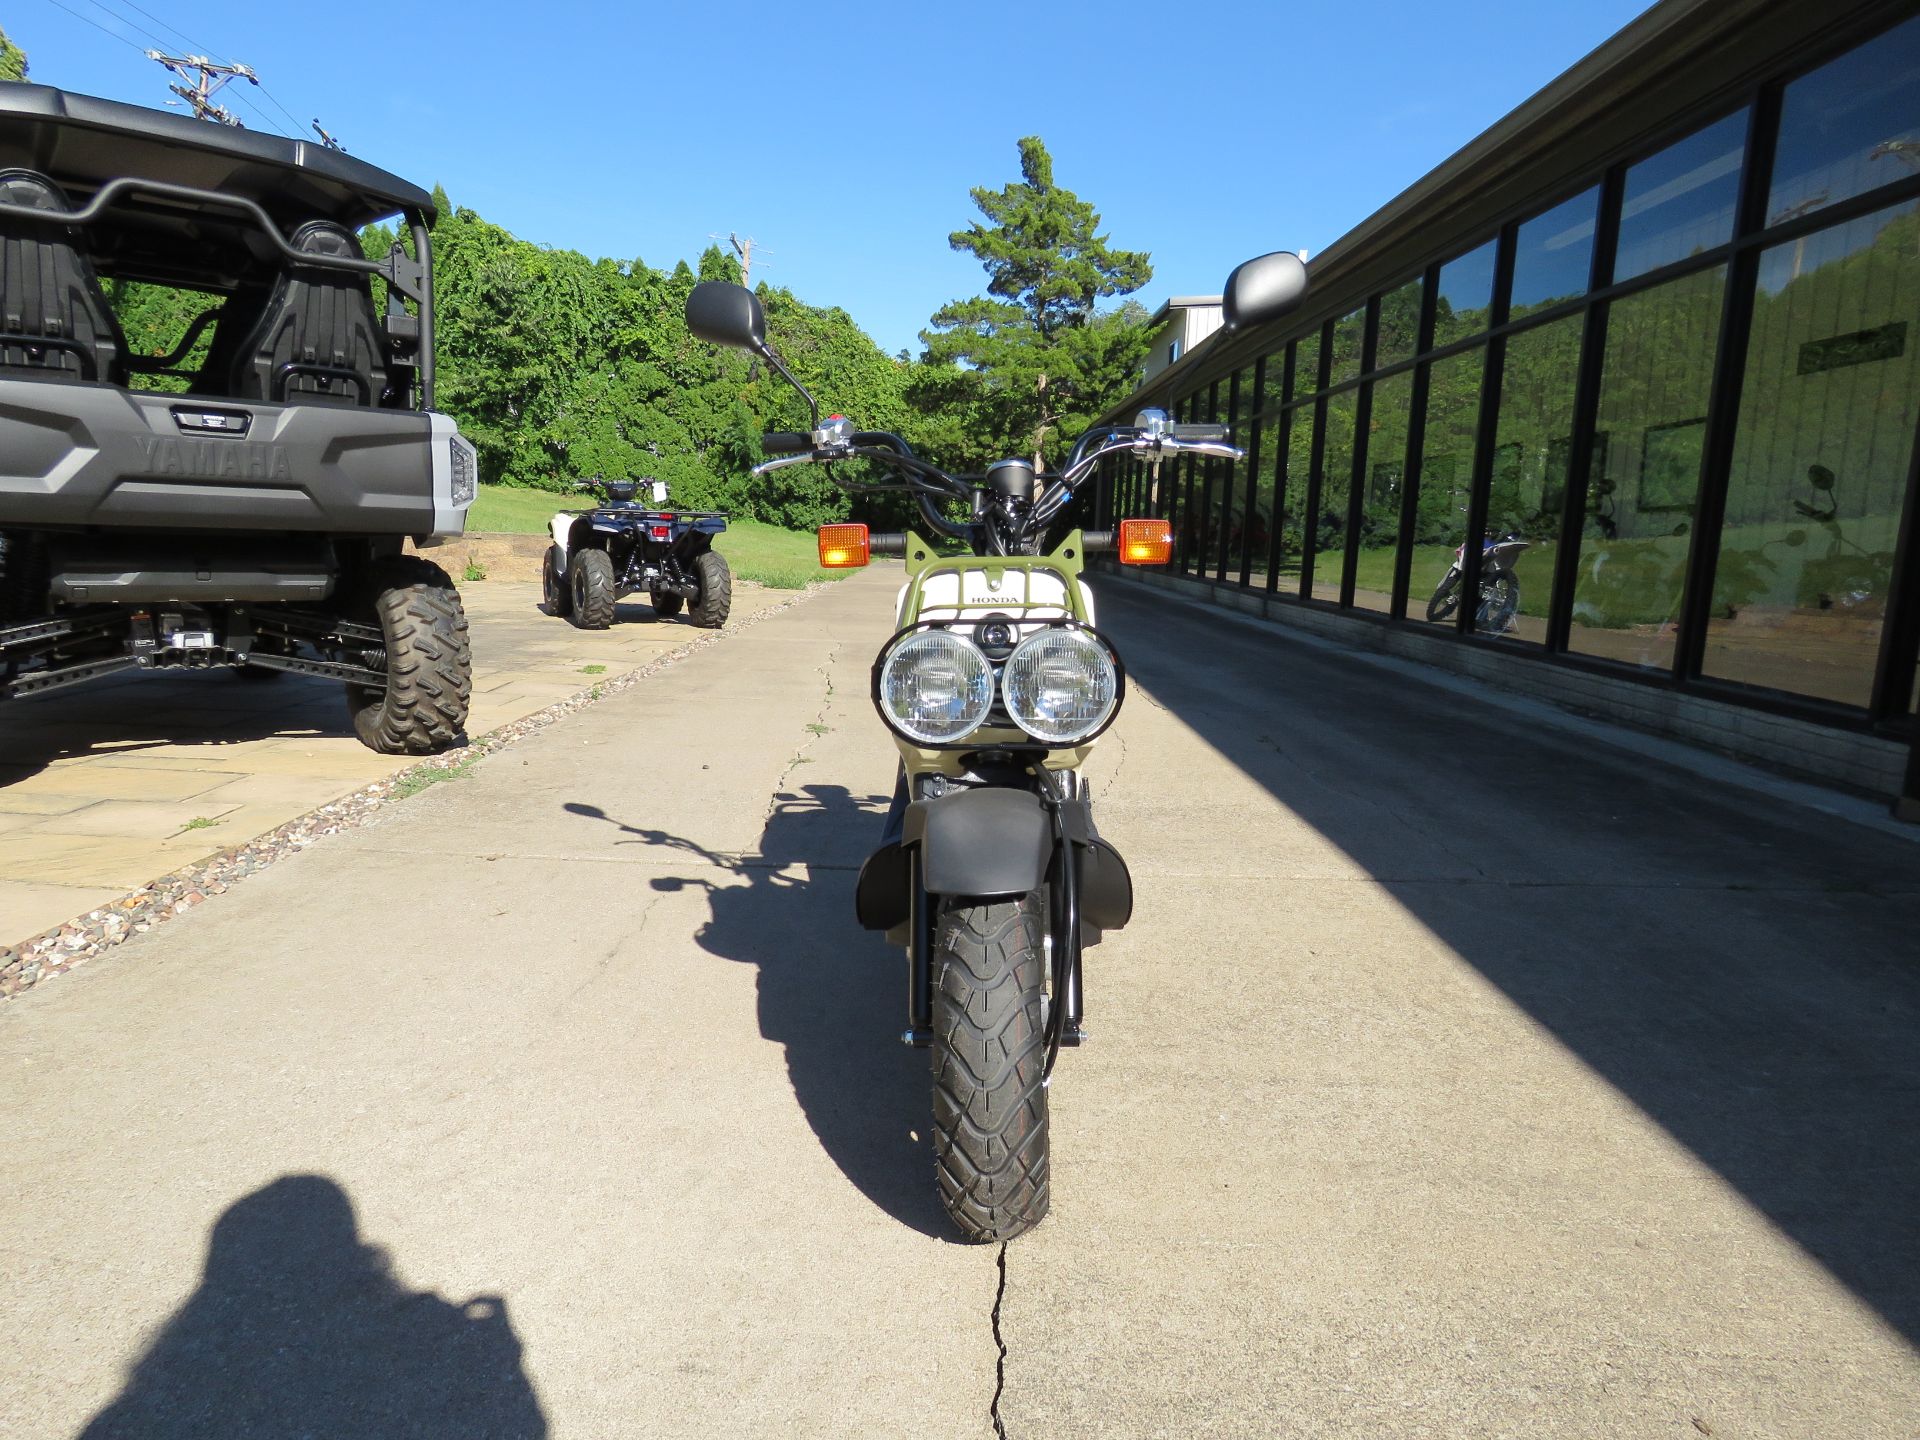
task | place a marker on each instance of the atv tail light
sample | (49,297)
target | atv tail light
(660,532)
(843,547)
(1145,542)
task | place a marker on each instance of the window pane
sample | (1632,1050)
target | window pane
(1206,488)
(1445,477)
(1530,457)
(1271,460)
(1233,478)
(1820,460)
(1293,527)
(1650,431)
(1850,126)
(1399,324)
(1554,254)
(1680,202)
(1336,484)
(1306,365)
(1466,293)
(1348,332)
(1386,470)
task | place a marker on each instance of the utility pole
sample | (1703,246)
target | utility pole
(744,249)
(204,78)
(330,142)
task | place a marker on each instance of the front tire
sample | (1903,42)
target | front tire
(594,596)
(1499,603)
(1446,597)
(429,661)
(667,604)
(715,600)
(554,593)
(989,1065)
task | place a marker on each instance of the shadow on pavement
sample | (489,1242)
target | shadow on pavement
(144,712)
(300,1329)
(1743,970)
(831,993)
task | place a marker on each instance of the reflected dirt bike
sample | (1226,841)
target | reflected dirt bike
(995,686)
(1499,586)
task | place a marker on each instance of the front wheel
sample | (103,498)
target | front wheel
(668,603)
(989,1067)
(1446,597)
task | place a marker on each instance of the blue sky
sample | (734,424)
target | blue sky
(845,137)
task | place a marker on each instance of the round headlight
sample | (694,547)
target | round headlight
(1061,685)
(935,687)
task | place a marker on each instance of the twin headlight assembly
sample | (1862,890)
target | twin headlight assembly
(935,687)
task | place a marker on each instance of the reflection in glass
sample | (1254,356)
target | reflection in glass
(1269,469)
(1306,366)
(1849,127)
(1553,256)
(1399,336)
(1233,475)
(1207,474)
(1680,202)
(1336,485)
(1820,460)
(1349,331)
(1529,484)
(1651,432)
(1293,509)
(1465,295)
(1444,480)
(1386,470)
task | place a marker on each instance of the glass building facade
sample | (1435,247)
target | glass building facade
(1673,397)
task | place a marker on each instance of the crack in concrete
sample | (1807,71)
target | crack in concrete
(613,950)
(815,729)
(1000,1365)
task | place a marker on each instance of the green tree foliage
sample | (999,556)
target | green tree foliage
(13,60)
(1024,368)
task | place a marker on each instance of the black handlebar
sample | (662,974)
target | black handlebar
(886,543)
(786,442)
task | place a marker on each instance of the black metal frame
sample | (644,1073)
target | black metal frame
(1889,709)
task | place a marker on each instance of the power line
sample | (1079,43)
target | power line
(130,24)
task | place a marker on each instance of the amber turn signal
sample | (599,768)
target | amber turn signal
(843,547)
(1143,542)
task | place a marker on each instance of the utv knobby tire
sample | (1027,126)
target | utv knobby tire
(989,1064)
(590,577)
(429,662)
(554,593)
(667,604)
(715,600)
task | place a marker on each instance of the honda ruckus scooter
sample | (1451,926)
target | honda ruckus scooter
(995,685)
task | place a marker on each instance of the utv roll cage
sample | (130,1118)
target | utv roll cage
(255,206)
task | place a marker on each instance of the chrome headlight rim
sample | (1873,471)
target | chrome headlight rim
(998,716)
(882,667)
(1119,684)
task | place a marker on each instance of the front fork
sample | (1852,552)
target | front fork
(1063,948)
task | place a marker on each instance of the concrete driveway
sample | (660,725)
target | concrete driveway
(1458,1076)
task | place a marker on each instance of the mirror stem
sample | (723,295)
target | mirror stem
(766,353)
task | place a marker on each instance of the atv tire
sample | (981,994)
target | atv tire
(989,1067)
(429,661)
(554,591)
(715,600)
(590,577)
(667,604)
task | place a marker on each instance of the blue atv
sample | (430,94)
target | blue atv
(623,547)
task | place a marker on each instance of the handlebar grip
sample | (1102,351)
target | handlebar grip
(886,544)
(1197,430)
(785,442)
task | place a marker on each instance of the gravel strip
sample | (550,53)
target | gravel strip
(61,949)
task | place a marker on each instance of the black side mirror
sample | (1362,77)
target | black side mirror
(1264,289)
(730,315)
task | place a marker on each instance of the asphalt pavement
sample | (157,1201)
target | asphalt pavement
(1460,1074)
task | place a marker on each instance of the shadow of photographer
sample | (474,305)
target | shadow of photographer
(300,1329)
(828,992)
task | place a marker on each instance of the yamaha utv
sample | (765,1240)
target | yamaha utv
(241,501)
(623,547)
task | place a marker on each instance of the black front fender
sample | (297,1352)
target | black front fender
(980,842)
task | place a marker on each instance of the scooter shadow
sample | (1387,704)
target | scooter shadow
(831,993)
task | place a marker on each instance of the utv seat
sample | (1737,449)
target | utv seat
(316,339)
(55,323)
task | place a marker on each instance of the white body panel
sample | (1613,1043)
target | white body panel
(560,525)
(976,594)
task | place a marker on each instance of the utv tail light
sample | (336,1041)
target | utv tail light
(1145,542)
(466,469)
(843,547)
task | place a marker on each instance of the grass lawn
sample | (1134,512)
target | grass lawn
(784,559)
